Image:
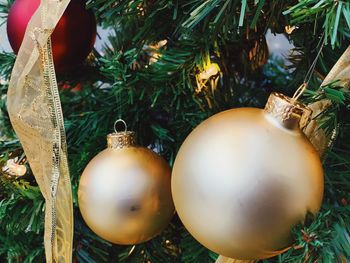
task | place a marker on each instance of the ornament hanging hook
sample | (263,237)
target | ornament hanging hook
(309,73)
(299,92)
(120,121)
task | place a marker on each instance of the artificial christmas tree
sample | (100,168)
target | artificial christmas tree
(212,58)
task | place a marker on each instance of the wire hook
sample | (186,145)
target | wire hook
(120,121)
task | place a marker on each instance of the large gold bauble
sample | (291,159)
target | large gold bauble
(124,192)
(244,177)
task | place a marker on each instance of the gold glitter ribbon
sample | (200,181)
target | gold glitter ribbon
(35,111)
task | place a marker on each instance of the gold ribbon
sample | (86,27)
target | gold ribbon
(36,115)
(341,72)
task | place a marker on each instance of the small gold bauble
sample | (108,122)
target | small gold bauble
(244,177)
(124,193)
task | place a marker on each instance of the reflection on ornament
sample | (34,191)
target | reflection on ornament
(245,177)
(124,193)
(207,79)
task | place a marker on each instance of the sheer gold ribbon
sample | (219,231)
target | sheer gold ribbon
(35,112)
(341,72)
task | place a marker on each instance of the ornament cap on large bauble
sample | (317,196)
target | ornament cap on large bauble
(288,112)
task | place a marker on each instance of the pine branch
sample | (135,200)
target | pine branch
(334,16)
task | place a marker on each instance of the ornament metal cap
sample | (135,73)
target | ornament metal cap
(289,113)
(121,139)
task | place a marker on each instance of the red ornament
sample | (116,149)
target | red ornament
(72,40)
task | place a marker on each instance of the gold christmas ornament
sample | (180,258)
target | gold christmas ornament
(124,192)
(244,177)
